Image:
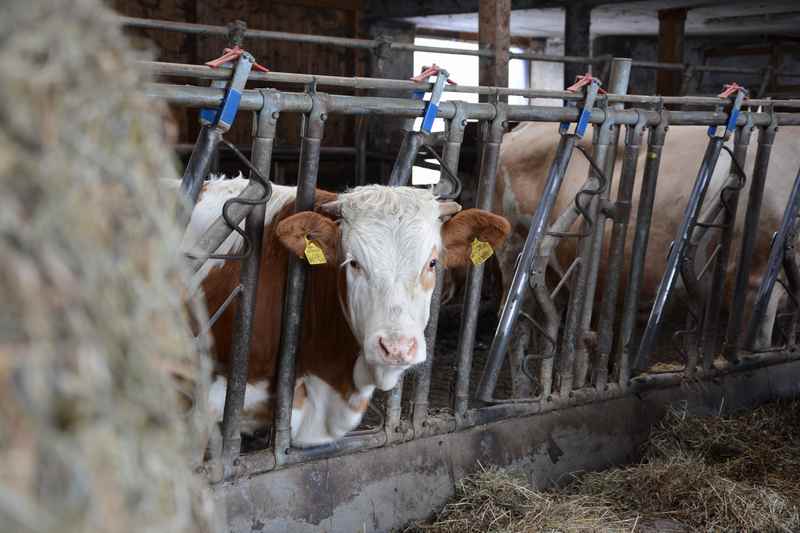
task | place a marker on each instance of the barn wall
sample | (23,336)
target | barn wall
(753,51)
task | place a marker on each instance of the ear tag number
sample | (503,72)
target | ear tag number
(314,253)
(481,251)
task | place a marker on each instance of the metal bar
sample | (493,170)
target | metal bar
(678,249)
(616,254)
(314,126)
(199,164)
(750,235)
(422,376)
(362,130)
(514,299)
(403,165)
(394,408)
(605,156)
(580,295)
(644,217)
(245,310)
(374,44)
(356,82)
(493,137)
(709,339)
(189,96)
(784,235)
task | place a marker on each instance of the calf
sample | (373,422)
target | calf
(365,308)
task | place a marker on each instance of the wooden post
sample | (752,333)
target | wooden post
(671,29)
(494,34)
(577,25)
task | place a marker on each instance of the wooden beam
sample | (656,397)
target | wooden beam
(494,17)
(471,37)
(377,9)
(671,36)
(577,25)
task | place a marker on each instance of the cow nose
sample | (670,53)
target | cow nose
(398,349)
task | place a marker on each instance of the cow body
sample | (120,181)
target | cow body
(365,309)
(526,155)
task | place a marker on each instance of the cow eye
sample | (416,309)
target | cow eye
(354,265)
(433,264)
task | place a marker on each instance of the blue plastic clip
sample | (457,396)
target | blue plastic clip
(736,107)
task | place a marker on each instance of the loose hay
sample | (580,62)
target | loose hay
(734,473)
(92,437)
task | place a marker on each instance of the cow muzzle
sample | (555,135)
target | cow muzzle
(397,349)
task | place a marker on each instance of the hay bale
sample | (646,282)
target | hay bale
(733,473)
(92,436)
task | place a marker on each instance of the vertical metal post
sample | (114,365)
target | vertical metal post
(709,340)
(580,295)
(313,129)
(493,137)
(516,291)
(422,382)
(678,249)
(644,217)
(616,254)
(766,136)
(245,310)
(605,155)
(785,234)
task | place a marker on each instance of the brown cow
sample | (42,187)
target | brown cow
(366,308)
(528,150)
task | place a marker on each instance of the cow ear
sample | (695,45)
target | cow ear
(468,225)
(294,231)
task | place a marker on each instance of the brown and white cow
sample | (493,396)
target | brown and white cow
(525,157)
(365,309)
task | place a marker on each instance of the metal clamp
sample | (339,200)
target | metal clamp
(432,106)
(222,118)
(592,89)
(736,107)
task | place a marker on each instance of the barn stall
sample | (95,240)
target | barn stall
(527,391)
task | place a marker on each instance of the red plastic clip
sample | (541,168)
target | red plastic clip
(730,89)
(427,72)
(232,54)
(582,81)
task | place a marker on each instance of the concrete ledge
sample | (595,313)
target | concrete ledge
(384,488)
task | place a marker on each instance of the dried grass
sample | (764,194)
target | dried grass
(92,436)
(736,473)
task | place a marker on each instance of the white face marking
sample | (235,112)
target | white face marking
(390,237)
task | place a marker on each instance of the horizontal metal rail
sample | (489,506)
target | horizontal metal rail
(208,73)
(378,44)
(191,96)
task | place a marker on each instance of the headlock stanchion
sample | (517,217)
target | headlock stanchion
(679,246)
(782,242)
(644,217)
(560,351)
(766,137)
(313,128)
(414,140)
(514,298)
(215,122)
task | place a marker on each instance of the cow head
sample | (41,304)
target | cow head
(387,243)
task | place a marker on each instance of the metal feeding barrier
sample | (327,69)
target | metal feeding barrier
(565,370)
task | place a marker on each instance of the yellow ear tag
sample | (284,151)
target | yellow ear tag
(314,253)
(481,251)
